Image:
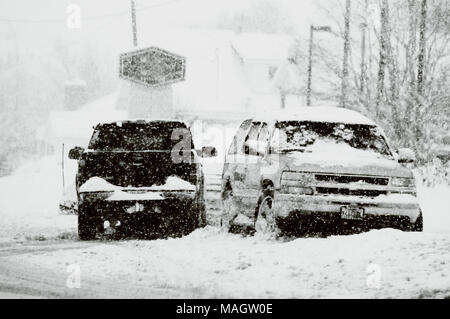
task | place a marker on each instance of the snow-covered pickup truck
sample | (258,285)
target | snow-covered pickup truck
(140,178)
(317,170)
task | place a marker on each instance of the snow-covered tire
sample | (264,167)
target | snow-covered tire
(229,209)
(87,227)
(201,215)
(418,225)
(265,223)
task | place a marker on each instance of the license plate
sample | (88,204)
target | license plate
(137,207)
(350,212)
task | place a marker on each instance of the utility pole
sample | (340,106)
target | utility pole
(346,54)
(308,87)
(363,57)
(133,23)
(310,54)
(422,48)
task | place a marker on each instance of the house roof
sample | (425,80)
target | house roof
(79,123)
(256,46)
(288,78)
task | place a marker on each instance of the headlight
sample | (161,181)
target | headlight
(297,179)
(297,183)
(297,190)
(402,182)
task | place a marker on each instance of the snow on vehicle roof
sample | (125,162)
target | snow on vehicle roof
(143,121)
(318,114)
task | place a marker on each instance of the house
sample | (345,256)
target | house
(228,77)
(74,128)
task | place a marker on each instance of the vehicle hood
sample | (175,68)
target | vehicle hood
(347,161)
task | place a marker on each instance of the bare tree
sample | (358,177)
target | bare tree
(398,46)
(345,71)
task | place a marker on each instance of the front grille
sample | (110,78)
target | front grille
(346,191)
(337,184)
(351,185)
(347,179)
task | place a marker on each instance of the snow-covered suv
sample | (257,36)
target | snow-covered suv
(319,169)
(140,178)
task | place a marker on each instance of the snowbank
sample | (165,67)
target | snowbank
(210,264)
(29,201)
(435,204)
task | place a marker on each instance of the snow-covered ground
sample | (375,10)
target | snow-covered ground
(40,255)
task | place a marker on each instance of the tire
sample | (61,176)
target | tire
(418,225)
(202,222)
(87,228)
(201,215)
(265,222)
(229,209)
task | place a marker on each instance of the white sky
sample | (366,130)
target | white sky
(109,20)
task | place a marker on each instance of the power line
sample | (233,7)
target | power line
(94,18)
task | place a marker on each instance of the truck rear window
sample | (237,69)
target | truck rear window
(129,136)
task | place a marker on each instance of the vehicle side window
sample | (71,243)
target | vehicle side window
(263,139)
(252,138)
(237,144)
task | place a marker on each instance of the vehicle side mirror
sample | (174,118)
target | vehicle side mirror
(406,155)
(443,151)
(255,148)
(272,150)
(443,154)
(76,152)
(207,151)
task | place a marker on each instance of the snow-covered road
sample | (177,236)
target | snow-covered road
(40,256)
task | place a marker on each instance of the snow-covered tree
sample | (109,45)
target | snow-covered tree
(403,71)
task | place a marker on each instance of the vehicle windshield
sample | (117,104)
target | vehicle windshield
(312,136)
(139,136)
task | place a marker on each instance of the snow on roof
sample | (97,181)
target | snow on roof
(77,82)
(259,46)
(319,114)
(288,78)
(214,76)
(142,120)
(190,43)
(79,123)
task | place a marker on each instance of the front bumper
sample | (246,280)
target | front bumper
(398,205)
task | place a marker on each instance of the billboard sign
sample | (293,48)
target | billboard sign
(152,67)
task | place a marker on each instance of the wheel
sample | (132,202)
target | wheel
(265,222)
(87,227)
(202,206)
(418,225)
(201,215)
(229,209)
